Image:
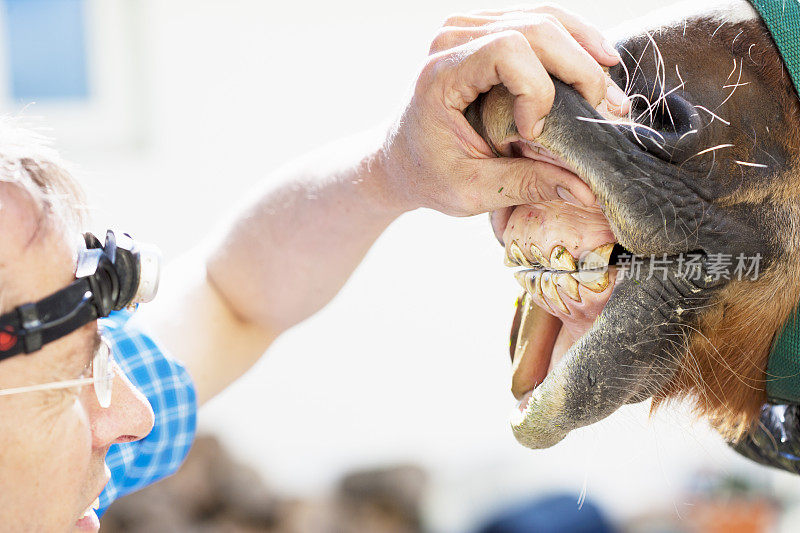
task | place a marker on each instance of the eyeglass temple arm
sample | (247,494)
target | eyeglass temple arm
(50,386)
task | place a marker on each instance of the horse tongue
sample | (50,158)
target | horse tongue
(539,340)
(533,335)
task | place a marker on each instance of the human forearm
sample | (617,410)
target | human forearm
(293,246)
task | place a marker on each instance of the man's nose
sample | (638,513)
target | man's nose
(128,418)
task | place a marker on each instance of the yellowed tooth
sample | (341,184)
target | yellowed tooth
(539,257)
(561,259)
(514,254)
(522,278)
(569,286)
(508,260)
(532,283)
(529,280)
(594,268)
(536,286)
(594,280)
(597,258)
(550,292)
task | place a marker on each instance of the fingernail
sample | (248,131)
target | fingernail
(616,96)
(610,50)
(567,196)
(537,129)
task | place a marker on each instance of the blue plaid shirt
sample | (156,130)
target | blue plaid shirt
(170,390)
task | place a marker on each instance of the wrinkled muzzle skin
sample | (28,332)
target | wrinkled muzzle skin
(704,166)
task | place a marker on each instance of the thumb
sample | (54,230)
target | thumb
(519,181)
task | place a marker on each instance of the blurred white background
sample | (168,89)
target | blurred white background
(194,101)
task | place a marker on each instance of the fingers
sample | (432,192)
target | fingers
(529,181)
(510,182)
(588,36)
(562,56)
(554,48)
(616,102)
(506,58)
(584,33)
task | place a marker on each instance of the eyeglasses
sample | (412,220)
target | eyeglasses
(102,378)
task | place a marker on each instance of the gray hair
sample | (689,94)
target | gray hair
(28,160)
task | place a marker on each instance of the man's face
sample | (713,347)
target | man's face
(52,443)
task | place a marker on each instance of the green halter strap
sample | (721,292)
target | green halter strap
(782,18)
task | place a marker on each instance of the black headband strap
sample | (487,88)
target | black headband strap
(30,326)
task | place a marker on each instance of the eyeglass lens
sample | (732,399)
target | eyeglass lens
(103,374)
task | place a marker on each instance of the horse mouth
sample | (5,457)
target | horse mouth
(564,256)
(589,336)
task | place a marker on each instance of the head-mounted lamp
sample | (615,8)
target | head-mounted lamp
(110,276)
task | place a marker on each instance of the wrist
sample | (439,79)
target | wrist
(386,178)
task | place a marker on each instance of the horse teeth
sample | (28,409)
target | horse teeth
(569,285)
(595,281)
(509,260)
(550,292)
(598,258)
(530,281)
(561,259)
(522,278)
(565,274)
(514,255)
(539,257)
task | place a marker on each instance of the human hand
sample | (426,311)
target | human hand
(433,158)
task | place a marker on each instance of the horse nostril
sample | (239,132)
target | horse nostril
(667,128)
